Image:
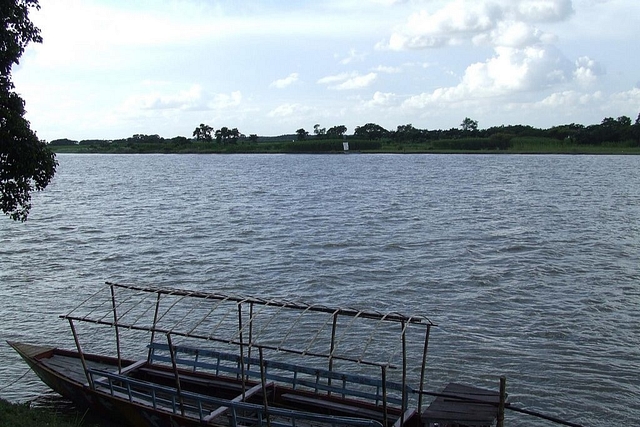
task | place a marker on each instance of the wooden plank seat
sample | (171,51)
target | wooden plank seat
(333,407)
(225,384)
(296,376)
(133,366)
(241,398)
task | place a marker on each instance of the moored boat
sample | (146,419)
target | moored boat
(215,359)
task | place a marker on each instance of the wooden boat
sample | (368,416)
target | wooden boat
(240,361)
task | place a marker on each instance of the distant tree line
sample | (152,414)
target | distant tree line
(224,135)
(610,130)
(135,139)
(468,136)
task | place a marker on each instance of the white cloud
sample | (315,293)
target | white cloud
(509,71)
(543,10)
(498,23)
(382,99)
(334,79)
(353,56)
(223,100)
(193,99)
(626,103)
(387,69)
(357,82)
(569,99)
(183,100)
(512,34)
(285,82)
(348,81)
(288,110)
(587,71)
(93,35)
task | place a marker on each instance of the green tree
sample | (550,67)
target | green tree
(405,133)
(26,163)
(318,131)
(370,131)
(635,130)
(336,131)
(222,134)
(142,138)
(225,135)
(234,135)
(203,132)
(624,121)
(614,130)
(302,134)
(179,141)
(469,125)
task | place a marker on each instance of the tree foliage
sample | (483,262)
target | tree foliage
(302,134)
(203,132)
(26,164)
(318,131)
(635,130)
(225,135)
(469,125)
(406,133)
(370,131)
(336,131)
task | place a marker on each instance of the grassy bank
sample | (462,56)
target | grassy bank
(23,415)
(516,145)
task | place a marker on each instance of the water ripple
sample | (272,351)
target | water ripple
(528,264)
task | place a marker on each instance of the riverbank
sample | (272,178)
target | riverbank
(25,415)
(518,145)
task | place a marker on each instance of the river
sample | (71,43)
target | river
(528,264)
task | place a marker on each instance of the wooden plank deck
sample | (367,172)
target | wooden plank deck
(447,411)
(72,366)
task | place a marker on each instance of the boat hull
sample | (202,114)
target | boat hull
(101,404)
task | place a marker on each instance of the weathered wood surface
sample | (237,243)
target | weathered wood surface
(30,350)
(465,411)
(332,407)
(72,366)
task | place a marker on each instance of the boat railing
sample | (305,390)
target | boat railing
(316,380)
(206,408)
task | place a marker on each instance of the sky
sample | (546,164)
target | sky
(109,69)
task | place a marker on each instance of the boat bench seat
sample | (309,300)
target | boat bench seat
(331,406)
(205,382)
(241,398)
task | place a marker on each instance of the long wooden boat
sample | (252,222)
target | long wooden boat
(215,359)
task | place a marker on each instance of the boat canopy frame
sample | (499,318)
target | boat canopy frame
(248,323)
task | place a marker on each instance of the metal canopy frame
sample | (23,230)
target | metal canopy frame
(256,323)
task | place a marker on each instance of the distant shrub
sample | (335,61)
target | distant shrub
(361,145)
(495,142)
(314,146)
(64,141)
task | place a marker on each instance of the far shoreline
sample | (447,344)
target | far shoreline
(516,145)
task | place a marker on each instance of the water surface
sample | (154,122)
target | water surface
(528,264)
